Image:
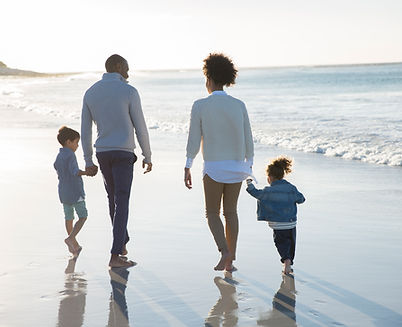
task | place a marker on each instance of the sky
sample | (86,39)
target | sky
(78,35)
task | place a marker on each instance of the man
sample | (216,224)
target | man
(115,107)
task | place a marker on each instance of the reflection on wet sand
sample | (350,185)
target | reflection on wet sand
(283,306)
(118,311)
(72,304)
(224,312)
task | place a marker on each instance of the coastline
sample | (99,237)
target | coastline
(347,227)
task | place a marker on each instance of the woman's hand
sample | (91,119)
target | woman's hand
(187,178)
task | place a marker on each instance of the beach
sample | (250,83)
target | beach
(346,270)
(345,139)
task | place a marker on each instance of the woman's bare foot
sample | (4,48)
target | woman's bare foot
(117,262)
(222,262)
(77,250)
(71,244)
(286,267)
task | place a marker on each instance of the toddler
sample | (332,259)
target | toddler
(71,188)
(277,205)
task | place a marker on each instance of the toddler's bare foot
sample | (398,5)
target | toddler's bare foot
(222,262)
(71,244)
(117,262)
(286,267)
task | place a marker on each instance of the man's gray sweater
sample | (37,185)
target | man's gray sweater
(115,107)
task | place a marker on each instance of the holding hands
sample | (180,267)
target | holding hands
(91,170)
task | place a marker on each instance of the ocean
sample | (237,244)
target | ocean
(353,112)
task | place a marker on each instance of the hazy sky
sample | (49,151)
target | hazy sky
(78,35)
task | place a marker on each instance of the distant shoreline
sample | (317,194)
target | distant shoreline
(6,71)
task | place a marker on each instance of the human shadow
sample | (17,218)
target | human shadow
(118,310)
(72,304)
(224,312)
(283,306)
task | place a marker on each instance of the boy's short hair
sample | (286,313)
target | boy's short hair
(65,134)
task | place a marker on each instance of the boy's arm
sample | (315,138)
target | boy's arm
(73,167)
(254,191)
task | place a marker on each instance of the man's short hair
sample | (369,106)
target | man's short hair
(112,61)
(65,134)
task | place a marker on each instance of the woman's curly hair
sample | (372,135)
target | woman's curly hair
(220,69)
(279,167)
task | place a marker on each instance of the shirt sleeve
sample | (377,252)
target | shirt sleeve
(73,165)
(189,163)
(140,127)
(86,134)
(194,134)
(248,135)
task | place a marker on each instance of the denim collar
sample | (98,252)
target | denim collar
(279,182)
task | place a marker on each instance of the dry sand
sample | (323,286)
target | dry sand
(348,257)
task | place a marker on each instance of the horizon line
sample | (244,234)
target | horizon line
(239,67)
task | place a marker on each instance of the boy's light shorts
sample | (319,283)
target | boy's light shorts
(79,207)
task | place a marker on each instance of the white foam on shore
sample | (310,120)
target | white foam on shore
(351,123)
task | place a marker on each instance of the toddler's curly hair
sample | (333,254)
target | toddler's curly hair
(279,167)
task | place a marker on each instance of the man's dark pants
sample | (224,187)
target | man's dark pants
(117,170)
(285,242)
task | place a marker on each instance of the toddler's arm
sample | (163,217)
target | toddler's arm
(299,197)
(252,190)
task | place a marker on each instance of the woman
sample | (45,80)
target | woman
(221,122)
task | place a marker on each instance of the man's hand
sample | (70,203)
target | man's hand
(91,170)
(187,178)
(149,166)
(249,181)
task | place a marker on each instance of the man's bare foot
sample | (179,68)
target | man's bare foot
(286,267)
(117,262)
(124,252)
(222,262)
(230,268)
(71,244)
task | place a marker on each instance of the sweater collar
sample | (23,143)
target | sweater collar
(113,76)
(218,93)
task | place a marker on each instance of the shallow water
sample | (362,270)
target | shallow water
(352,112)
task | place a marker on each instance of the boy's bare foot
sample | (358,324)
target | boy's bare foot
(71,244)
(117,262)
(286,267)
(222,262)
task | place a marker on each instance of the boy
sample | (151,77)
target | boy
(71,187)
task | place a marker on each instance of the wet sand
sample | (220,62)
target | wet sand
(346,272)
